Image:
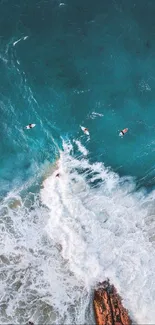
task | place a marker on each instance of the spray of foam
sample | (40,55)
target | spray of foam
(36,282)
(85,225)
(95,114)
(20,39)
(104,230)
(81,148)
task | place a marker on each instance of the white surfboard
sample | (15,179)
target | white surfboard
(124,131)
(30,126)
(85,130)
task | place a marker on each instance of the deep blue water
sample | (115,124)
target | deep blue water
(79,58)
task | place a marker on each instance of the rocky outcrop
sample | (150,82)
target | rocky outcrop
(108,306)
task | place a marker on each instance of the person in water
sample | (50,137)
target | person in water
(123,132)
(86,131)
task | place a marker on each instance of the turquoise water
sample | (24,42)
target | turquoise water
(59,65)
(78,58)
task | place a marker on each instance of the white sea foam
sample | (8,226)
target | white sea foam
(102,231)
(95,114)
(144,86)
(3,59)
(84,226)
(20,39)
(81,148)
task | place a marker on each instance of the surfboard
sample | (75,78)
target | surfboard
(85,130)
(28,126)
(124,131)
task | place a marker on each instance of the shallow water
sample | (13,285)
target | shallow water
(90,64)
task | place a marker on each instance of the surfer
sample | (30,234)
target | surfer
(30,126)
(123,132)
(85,130)
(57,175)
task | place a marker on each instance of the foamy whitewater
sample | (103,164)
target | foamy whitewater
(83,227)
(67,221)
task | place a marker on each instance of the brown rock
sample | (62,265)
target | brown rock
(108,306)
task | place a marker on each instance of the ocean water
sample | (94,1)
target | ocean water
(63,65)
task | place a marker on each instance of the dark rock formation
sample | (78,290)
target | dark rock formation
(108,306)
